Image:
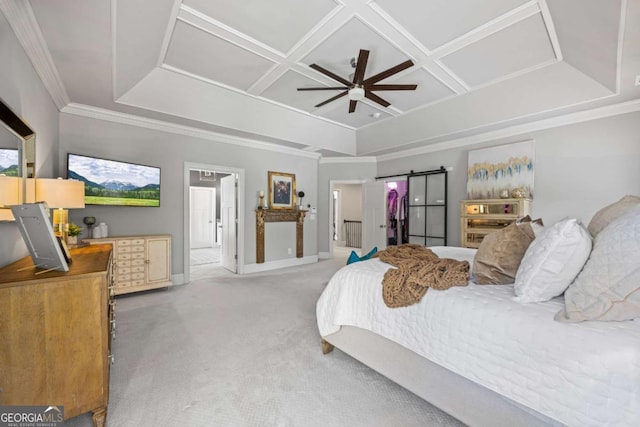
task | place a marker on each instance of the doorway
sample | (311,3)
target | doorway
(345,220)
(211,239)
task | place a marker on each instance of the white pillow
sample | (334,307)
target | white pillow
(552,261)
(608,288)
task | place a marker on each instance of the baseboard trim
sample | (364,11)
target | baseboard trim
(177,279)
(324,255)
(281,263)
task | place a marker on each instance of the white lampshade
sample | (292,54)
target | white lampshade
(10,190)
(58,193)
(9,195)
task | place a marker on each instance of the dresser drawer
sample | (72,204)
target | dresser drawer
(137,269)
(123,255)
(123,278)
(123,242)
(137,249)
(123,270)
(137,242)
(137,261)
(123,250)
(137,276)
(123,263)
(138,282)
(137,256)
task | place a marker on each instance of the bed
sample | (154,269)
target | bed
(483,357)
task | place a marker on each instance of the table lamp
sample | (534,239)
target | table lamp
(59,194)
(9,195)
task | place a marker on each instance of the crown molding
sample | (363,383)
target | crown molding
(553,122)
(364,159)
(25,26)
(159,125)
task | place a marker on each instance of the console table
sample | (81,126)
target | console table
(279,215)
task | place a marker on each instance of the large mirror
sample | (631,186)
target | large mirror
(17,151)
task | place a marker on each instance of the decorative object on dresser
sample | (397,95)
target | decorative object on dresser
(140,262)
(56,330)
(481,217)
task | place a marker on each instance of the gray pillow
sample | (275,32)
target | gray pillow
(604,216)
(608,288)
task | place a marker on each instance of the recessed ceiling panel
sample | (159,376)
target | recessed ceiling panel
(429,90)
(363,115)
(436,22)
(335,53)
(284,90)
(516,48)
(277,23)
(205,55)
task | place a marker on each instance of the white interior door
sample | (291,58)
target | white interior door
(202,210)
(228,220)
(374,228)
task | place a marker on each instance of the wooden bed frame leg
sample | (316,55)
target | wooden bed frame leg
(327,347)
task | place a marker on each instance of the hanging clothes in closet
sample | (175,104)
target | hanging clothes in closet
(392,221)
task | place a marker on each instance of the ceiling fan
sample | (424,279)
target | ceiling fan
(360,87)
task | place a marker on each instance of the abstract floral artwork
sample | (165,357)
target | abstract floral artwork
(496,172)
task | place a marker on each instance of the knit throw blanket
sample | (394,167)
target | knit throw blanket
(418,269)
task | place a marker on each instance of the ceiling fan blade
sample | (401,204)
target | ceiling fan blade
(330,74)
(352,106)
(392,87)
(322,88)
(375,98)
(340,95)
(361,65)
(387,73)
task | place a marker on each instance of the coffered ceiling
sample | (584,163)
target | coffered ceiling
(233,67)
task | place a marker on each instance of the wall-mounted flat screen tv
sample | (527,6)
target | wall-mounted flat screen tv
(9,161)
(110,182)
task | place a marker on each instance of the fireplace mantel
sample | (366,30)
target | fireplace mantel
(279,215)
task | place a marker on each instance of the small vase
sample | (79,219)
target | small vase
(72,240)
(518,193)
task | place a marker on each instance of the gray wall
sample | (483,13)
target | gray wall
(578,168)
(22,90)
(336,171)
(351,201)
(170,151)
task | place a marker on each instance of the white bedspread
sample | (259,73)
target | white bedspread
(585,374)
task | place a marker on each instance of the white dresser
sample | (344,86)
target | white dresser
(141,262)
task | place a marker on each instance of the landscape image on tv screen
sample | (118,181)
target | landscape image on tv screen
(109,182)
(8,162)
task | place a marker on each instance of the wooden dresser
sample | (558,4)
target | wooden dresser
(140,262)
(55,334)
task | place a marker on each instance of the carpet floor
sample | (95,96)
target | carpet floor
(245,351)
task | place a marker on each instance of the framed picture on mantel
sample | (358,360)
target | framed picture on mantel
(282,190)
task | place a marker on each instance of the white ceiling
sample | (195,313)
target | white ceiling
(233,67)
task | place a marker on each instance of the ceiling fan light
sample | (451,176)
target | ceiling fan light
(356,94)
